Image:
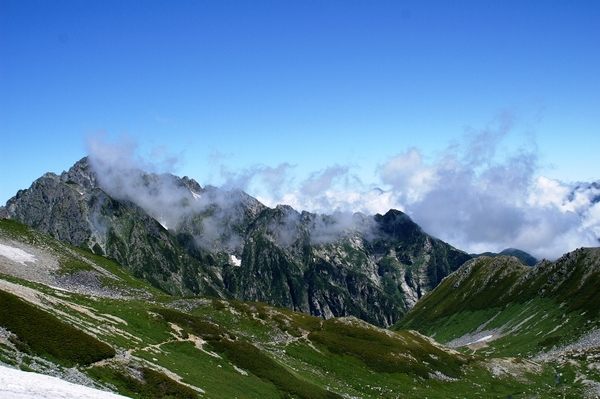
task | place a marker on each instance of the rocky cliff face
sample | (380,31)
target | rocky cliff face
(186,239)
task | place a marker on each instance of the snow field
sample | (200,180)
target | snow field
(17,384)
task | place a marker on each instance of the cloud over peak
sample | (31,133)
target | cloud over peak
(478,194)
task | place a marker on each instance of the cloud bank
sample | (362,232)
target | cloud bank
(476,194)
(499,206)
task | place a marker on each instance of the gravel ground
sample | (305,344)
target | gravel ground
(39,265)
(27,262)
(591,340)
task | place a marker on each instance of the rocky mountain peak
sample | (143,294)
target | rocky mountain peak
(82,174)
(398,224)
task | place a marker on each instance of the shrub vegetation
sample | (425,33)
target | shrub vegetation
(42,334)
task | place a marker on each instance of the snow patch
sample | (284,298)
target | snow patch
(17,384)
(486,338)
(239,370)
(235,260)
(163,222)
(16,254)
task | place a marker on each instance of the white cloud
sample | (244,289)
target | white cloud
(408,175)
(119,170)
(368,202)
(321,181)
(259,179)
(476,195)
(592,219)
(480,199)
(548,192)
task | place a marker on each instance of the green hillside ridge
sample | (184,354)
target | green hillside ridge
(517,253)
(498,294)
(499,307)
(184,347)
(43,334)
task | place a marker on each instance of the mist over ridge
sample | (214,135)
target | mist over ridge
(185,239)
(175,201)
(477,195)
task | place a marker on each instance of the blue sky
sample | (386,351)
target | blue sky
(313,102)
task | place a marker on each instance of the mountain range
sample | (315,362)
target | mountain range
(212,294)
(189,240)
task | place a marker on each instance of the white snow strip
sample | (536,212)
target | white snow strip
(239,370)
(196,196)
(486,338)
(16,254)
(17,384)
(163,223)
(235,260)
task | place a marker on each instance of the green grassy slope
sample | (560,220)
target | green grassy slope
(526,309)
(499,308)
(188,347)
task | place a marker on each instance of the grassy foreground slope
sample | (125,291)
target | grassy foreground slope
(191,347)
